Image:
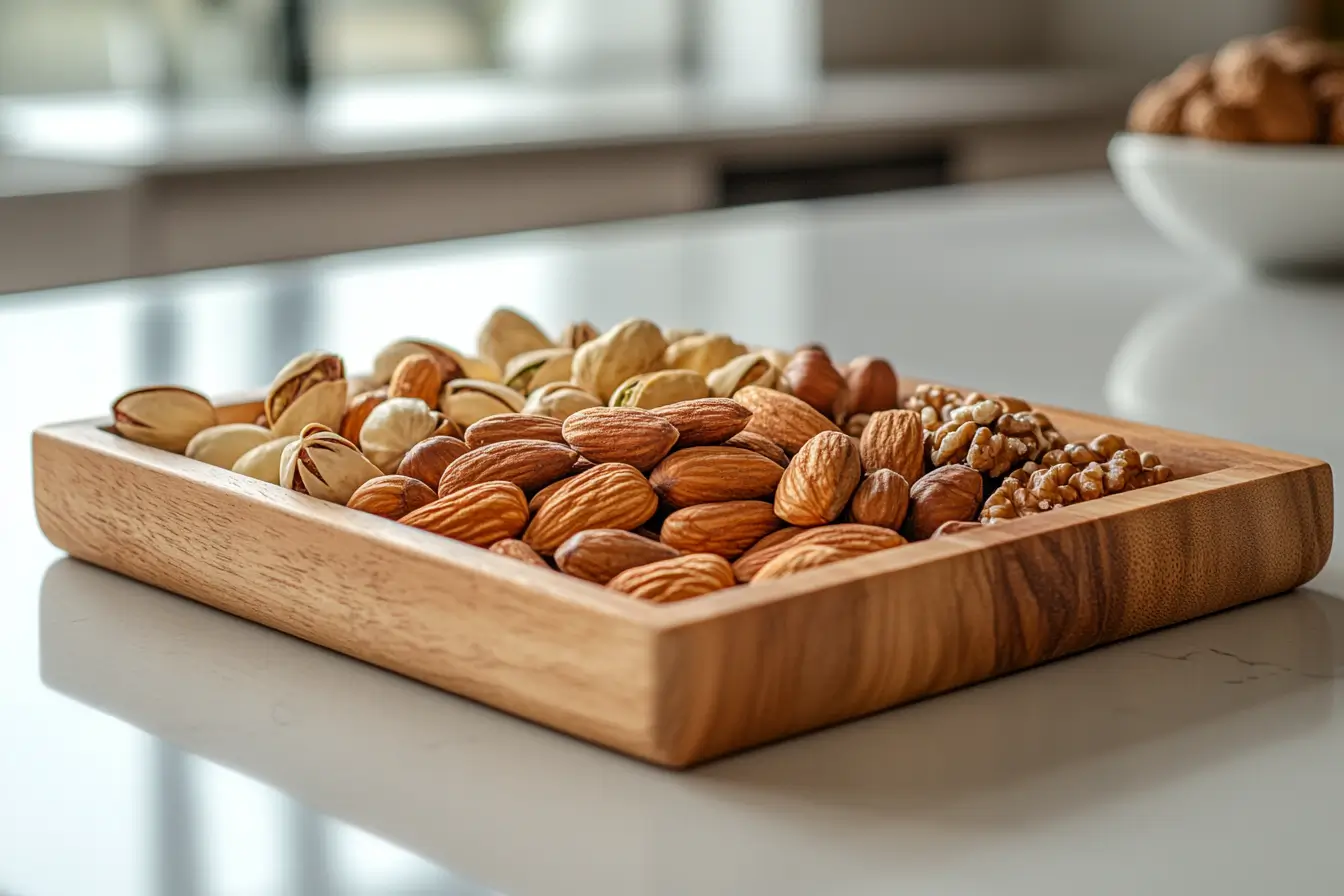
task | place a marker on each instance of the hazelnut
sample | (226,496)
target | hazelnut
(881,500)
(872,386)
(813,378)
(943,495)
(428,459)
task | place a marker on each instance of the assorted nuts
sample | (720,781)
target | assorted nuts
(662,466)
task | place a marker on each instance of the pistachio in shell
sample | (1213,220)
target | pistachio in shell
(322,464)
(481,369)
(263,461)
(752,369)
(309,389)
(703,352)
(221,446)
(394,428)
(392,354)
(577,333)
(662,387)
(559,400)
(532,370)
(466,401)
(166,417)
(508,334)
(627,349)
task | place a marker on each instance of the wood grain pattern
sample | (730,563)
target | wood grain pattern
(681,683)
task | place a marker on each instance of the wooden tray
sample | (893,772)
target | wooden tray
(681,683)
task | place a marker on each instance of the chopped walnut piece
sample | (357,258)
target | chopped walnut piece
(1039,487)
(988,439)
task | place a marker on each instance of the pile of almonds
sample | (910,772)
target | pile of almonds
(664,465)
(1284,87)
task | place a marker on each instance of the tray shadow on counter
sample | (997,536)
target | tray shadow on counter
(381,752)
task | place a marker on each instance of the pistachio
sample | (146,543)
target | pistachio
(676,334)
(627,349)
(263,461)
(702,353)
(559,400)
(534,369)
(466,401)
(322,464)
(508,334)
(577,333)
(752,369)
(664,387)
(221,446)
(309,389)
(480,369)
(166,417)
(395,427)
(777,357)
(386,361)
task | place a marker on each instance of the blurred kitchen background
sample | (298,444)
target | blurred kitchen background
(151,136)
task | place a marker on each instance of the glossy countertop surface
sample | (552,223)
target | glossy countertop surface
(149,745)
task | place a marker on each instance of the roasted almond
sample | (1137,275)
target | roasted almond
(854,537)
(508,427)
(599,555)
(881,500)
(428,459)
(819,480)
(677,579)
(530,464)
(727,528)
(714,473)
(620,435)
(391,497)
(783,419)
(754,441)
(417,376)
(609,496)
(894,440)
(705,421)
(544,495)
(478,514)
(518,550)
(800,557)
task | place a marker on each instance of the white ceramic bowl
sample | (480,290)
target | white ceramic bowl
(1266,207)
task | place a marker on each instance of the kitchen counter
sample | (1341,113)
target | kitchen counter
(151,745)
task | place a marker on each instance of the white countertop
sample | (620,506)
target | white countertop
(430,118)
(150,745)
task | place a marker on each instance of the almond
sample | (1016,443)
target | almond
(530,464)
(609,496)
(599,555)
(783,419)
(478,514)
(391,497)
(754,441)
(727,528)
(881,500)
(509,427)
(947,494)
(427,460)
(620,435)
(818,482)
(417,376)
(518,550)
(893,440)
(713,473)
(801,557)
(845,536)
(677,579)
(544,495)
(705,421)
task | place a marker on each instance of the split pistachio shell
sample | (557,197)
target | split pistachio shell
(702,353)
(508,334)
(676,334)
(481,369)
(322,464)
(777,357)
(577,333)
(310,389)
(663,387)
(532,370)
(559,400)
(466,401)
(263,461)
(386,361)
(752,369)
(166,417)
(627,349)
(395,427)
(221,446)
